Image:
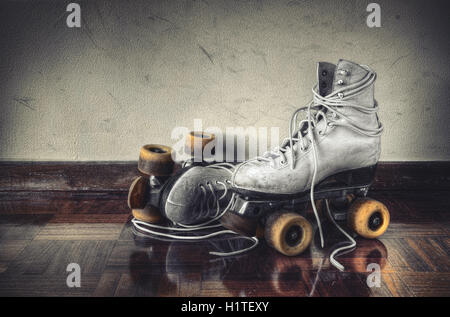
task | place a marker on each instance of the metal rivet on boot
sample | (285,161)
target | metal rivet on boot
(340,82)
(324,73)
(343,72)
(340,95)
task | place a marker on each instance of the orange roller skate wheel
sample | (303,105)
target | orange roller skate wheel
(289,233)
(138,193)
(148,214)
(368,217)
(196,139)
(156,160)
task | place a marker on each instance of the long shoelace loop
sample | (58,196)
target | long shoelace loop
(349,247)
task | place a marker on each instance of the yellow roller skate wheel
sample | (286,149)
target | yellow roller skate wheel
(368,217)
(156,160)
(289,233)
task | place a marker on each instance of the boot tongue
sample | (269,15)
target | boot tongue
(331,77)
(325,75)
(347,73)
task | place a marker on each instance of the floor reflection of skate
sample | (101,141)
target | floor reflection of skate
(181,264)
(187,269)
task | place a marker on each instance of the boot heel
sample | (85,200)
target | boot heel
(243,225)
(358,177)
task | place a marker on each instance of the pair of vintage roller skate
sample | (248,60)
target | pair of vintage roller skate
(328,159)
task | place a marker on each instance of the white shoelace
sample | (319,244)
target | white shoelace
(348,247)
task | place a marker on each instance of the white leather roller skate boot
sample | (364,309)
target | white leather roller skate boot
(330,154)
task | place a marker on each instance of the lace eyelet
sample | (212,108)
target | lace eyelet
(340,95)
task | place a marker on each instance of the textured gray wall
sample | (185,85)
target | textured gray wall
(137,69)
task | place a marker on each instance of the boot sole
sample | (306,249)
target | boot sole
(350,180)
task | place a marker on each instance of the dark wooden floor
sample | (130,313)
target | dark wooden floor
(35,250)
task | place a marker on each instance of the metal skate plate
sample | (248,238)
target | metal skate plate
(256,204)
(156,187)
(251,208)
(339,216)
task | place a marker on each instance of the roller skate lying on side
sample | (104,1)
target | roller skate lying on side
(157,166)
(331,155)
